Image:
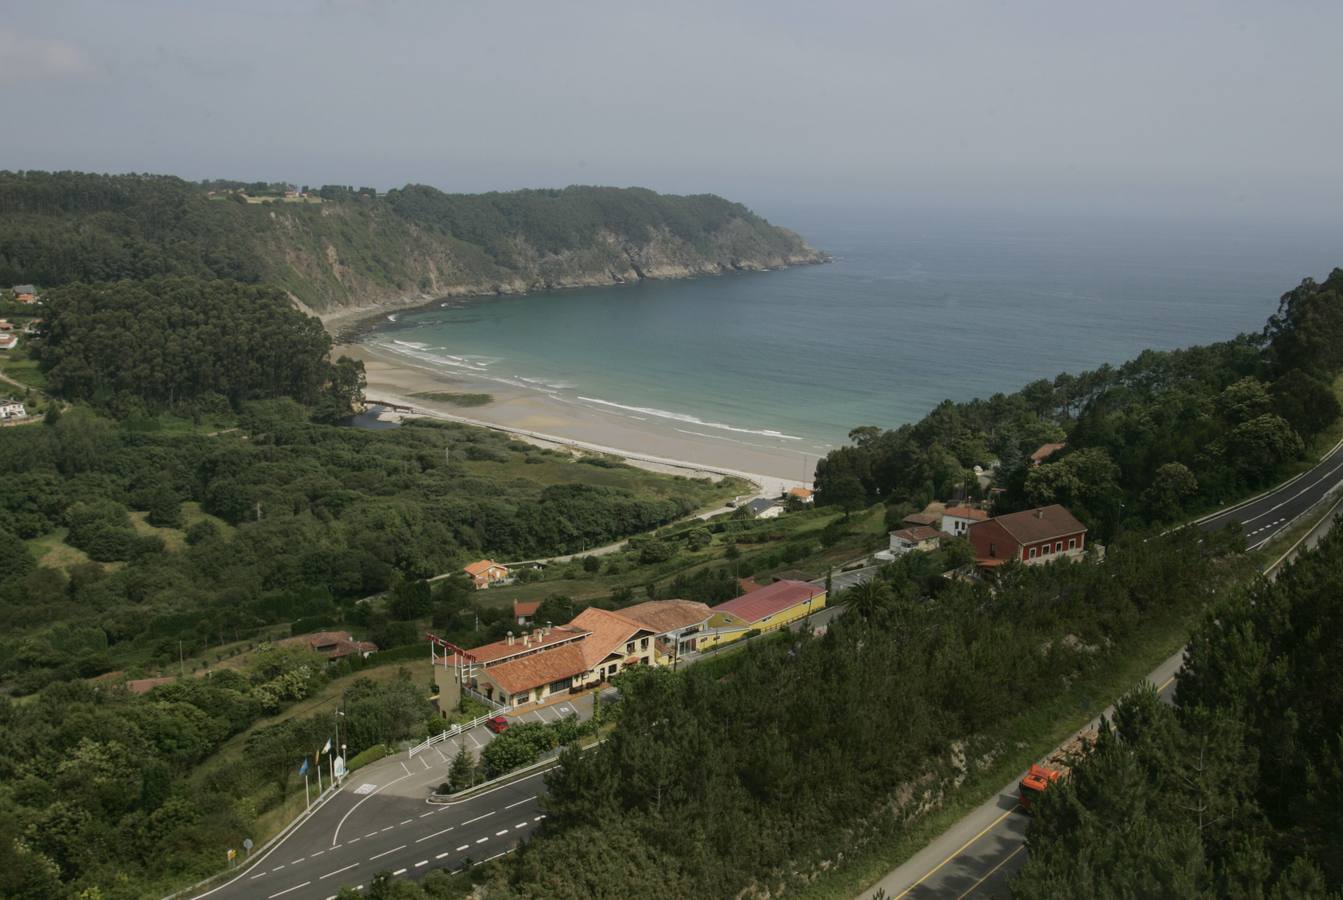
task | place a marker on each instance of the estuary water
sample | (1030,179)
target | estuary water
(912,310)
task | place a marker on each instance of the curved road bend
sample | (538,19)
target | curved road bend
(382,822)
(977,856)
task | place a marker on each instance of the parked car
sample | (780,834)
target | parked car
(498,724)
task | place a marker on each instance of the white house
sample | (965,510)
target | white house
(12,409)
(920,538)
(956,520)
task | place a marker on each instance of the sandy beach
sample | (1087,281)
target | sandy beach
(549,420)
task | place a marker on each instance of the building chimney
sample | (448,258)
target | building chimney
(1040,513)
(537,633)
(510,639)
(526,639)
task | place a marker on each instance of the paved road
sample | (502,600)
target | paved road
(977,856)
(382,822)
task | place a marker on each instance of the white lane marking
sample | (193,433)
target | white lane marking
(440,754)
(400,871)
(294,862)
(338,871)
(371,834)
(424,762)
(478,818)
(385,852)
(406,822)
(287,890)
(482,840)
(443,854)
(352,840)
(403,765)
(494,857)
(539,818)
(426,815)
(335,835)
(474,742)
(278,868)
(318,852)
(1304,490)
(257,875)
(423,862)
(519,825)
(463,847)
(435,834)
(365,789)
(389,828)
(497,833)
(520,802)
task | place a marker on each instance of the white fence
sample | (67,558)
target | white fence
(450,733)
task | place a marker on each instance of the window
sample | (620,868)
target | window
(1044,551)
(643,644)
(1033,549)
(1058,547)
(1072,543)
(993,549)
(629,648)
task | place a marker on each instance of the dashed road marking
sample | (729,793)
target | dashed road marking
(482,840)
(520,802)
(423,862)
(519,825)
(478,818)
(385,852)
(426,815)
(463,847)
(287,890)
(405,822)
(401,871)
(318,852)
(278,868)
(497,833)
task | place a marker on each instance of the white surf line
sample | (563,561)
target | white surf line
(335,835)
(520,802)
(478,818)
(385,852)
(287,890)
(435,834)
(338,871)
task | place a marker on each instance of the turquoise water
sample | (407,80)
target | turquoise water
(908,314)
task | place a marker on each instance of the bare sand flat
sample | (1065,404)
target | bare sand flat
(552,421)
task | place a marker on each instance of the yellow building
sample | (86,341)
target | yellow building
(766,609)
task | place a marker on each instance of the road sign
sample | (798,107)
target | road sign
(247,843)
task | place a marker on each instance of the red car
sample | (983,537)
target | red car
(498,724)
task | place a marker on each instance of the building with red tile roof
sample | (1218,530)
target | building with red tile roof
(1044,451)
(333,645)
(767,609)
(920,538)
(1032,536)
(956,520)
(595,646)
(525,610)
(486,572)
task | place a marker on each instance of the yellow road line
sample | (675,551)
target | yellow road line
(987,828)
(989,874)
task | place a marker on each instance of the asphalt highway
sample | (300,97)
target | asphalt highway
(977,856)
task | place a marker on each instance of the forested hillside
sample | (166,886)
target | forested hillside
(1147,441)
(341,247)
(1235,790)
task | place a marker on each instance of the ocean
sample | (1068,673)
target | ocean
(912,311)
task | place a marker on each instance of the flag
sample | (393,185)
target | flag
(326,748)
(303,769)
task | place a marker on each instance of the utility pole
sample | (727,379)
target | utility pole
(181,660)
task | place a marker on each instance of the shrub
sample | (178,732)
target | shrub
(372,754)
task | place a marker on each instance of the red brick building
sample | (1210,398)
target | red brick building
(1033,536)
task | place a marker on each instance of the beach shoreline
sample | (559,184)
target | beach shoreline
(548,420)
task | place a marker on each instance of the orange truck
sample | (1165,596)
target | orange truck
(1056,766)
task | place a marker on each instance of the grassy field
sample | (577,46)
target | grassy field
(455,399)
(52,551)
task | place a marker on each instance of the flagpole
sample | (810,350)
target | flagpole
(319,779)
(307,793)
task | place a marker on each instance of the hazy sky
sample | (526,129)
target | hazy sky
(1199,108)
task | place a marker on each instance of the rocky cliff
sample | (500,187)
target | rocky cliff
(341,252)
